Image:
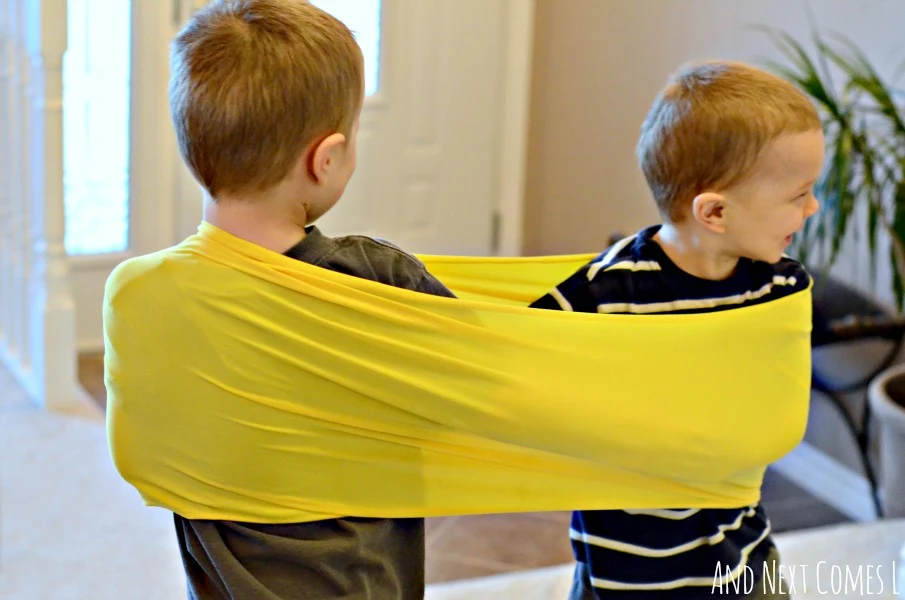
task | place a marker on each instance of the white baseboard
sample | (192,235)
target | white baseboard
(833,483)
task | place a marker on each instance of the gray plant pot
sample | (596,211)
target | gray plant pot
(887,403)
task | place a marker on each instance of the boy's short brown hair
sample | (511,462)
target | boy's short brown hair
(253,83)
(707,128)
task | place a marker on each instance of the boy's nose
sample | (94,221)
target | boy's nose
(811,207)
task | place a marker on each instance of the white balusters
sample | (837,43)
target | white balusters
(5,208)
(40,347)
(14,291)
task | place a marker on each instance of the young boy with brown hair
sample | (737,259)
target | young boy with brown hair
(731,155)
(265,98)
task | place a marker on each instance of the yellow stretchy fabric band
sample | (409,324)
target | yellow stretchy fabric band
(245,385)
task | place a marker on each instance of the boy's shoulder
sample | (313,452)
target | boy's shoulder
(635,272)
(369,258)
(607,273)
(791,269)
(639,256)
(380,248)
(634,256)
(134,272)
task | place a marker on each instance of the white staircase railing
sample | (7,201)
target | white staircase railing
(37,314)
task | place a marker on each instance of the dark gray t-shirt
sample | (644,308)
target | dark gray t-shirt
(348,558)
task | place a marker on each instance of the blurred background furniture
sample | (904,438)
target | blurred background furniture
(854,340)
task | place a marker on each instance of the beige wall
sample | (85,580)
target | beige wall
(600,63)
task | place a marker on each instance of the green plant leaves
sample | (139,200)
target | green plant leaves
(865,132)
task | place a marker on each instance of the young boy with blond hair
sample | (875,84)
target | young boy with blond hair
(265,97)
(731,154)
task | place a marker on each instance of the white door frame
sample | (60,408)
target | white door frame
(514,123)
(151,193)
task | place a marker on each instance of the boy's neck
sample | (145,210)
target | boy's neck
(276,226)
(694,253)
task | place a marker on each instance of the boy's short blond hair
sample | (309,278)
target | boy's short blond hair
(253,83)
(707,128)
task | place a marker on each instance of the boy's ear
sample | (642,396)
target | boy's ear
(325,155)
(708,209)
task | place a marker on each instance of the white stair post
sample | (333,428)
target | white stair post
(52,310)
(14,288)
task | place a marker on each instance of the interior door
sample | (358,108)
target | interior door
(429,142)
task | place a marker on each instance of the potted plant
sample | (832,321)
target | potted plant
(862,192)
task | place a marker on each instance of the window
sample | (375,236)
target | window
(96,92)
(363,18)
(96,119)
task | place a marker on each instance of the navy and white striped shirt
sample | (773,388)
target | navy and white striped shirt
(672,552)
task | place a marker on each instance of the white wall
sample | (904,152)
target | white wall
(600,63)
